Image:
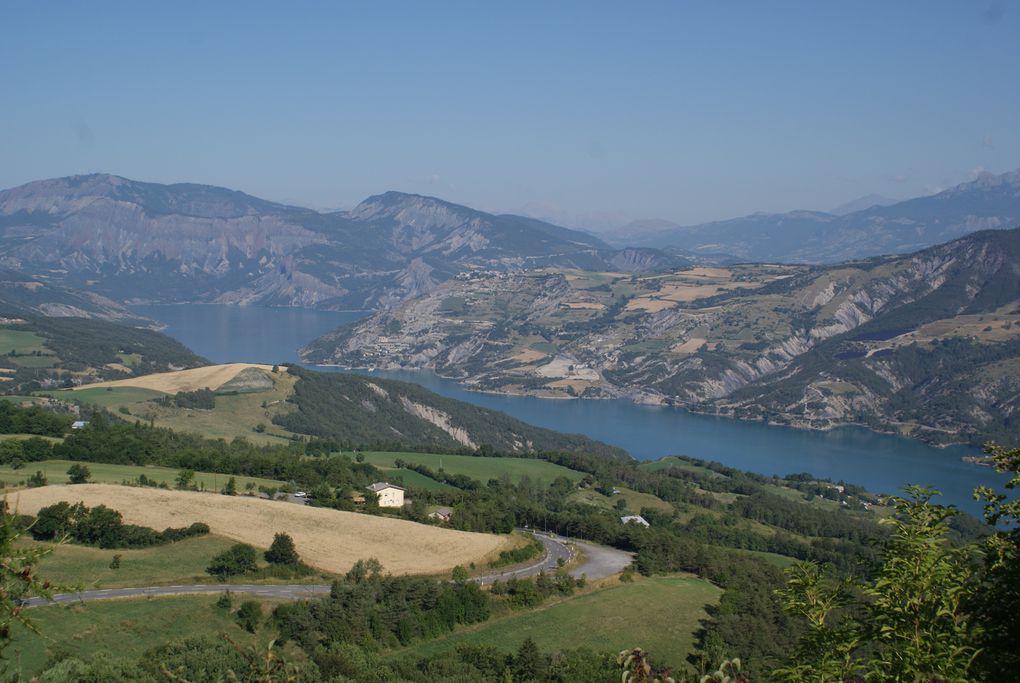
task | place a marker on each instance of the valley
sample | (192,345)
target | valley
(806,346)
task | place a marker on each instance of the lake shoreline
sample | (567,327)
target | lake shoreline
(793,422)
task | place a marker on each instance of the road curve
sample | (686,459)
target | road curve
(599,562)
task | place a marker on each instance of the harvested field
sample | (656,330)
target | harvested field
(585,306)
(528,356)
(328,539)
(690,346)
(650,304)
(705,271)
(209,377)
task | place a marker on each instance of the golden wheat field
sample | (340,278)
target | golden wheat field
(327,539)
(208,377)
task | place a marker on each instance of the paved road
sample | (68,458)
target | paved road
(599,562)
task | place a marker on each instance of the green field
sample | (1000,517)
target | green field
(481,469)
(165,565)
(56,473)
(660,614)
(106,397)
(22,437)
(634,499)
(775,559)
(234,415)
(124,629)
(21,341)
(671,462)
(411,479)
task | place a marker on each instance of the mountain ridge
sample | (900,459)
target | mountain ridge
(989,201)
(146,242)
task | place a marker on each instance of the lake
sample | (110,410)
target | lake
(883,463)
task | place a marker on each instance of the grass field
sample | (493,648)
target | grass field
(775,559)
(411,479)
(330,540)
(56,473)
(20,341)
(234,415)
(22,437)
(635,500)
(106,398)
(659,614)
(165,565)
(123,629)
(482,469)
(671,462)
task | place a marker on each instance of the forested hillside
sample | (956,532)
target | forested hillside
(44,353)
(360,410)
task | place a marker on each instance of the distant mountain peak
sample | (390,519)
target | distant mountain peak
(990,201)
(987,179)
(861,203)
(392,201)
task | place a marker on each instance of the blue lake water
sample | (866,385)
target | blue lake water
(881,462)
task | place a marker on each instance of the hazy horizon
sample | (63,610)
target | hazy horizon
(590,115)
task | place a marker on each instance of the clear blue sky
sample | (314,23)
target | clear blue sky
(686,111)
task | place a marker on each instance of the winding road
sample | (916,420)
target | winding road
(599,562)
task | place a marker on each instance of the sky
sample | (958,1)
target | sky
(590,113)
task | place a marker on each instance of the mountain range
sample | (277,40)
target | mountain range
(133,242)
(868,227)
(926,344)
(144,242)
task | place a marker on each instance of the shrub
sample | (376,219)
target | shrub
(225,601)
(240,558)
(78,474)
(249,615)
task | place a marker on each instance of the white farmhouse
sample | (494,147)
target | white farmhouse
(390,495)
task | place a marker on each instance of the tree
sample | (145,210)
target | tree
(19,579)
(460,575)
(36,480)
(184,479)
(78,474)
(230,488)
(100,526)
(53,522)
(282,551)
(999,602)
(527,662)
(908,623)
(249,615)
(239,558)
